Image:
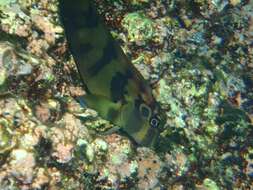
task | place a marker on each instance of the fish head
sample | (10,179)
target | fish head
(143,121)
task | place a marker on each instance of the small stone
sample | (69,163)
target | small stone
(150,167)
(81,142)
(22,165)
(53,104)
(63,153)
(28,141)
(3,77)
(100,145)
(133,167)
(210,184)
(41,179)
(235,2)
(42,113)
(6,2)
(24,69)
(90,153)
(6,139)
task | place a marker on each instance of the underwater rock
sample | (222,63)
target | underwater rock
(85,151)
(235,2)
(6,58)
(177,163)
(249,166)
(17,67)
(22,165)
(28,141)
(4,51)
(42,113)
(15,20)
(41,179)
(150,168)
(63,153)
(11,110)
(42,24)
(25,69)
(48,111)
(7,138)
(2,78)
(140,29)
(64,137)
(100,147)
(208,184)
(118,168)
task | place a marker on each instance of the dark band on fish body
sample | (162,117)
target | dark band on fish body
(112,114)
(109,54)
(86,47)
(86,11)
(118,84)
(93,20)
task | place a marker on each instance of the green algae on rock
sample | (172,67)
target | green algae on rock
(7,139)
(140,28)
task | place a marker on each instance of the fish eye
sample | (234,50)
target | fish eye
(145,110)
(154,121)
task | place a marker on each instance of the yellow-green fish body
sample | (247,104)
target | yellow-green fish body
(115,89)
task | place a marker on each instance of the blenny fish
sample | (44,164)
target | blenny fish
(115,89)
